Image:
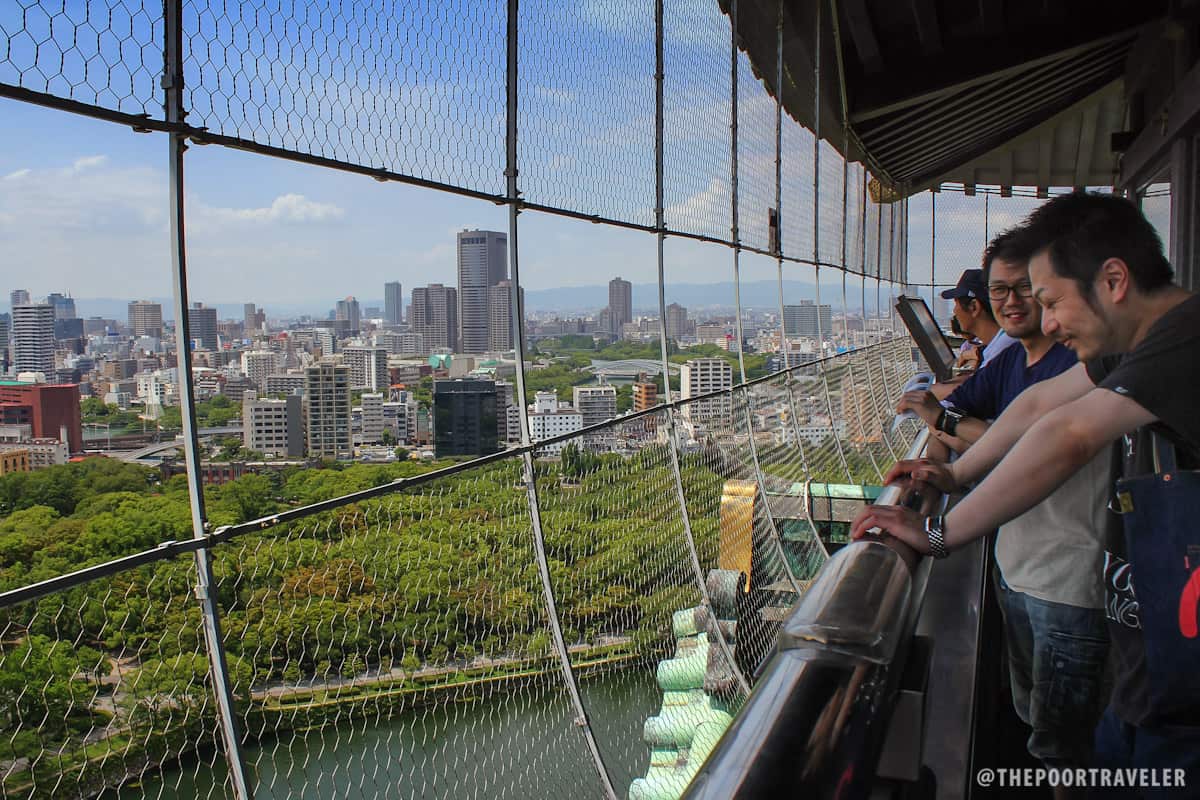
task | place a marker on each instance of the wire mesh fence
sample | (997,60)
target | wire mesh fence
(407,643)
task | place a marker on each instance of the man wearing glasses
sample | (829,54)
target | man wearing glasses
(1050,556)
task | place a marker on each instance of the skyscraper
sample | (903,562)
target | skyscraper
(677,321)
(368,367)
(347,310)
(393,303)
(465,421)
(620,303)
(482,263)
(18,297)
(249,319)
(202,323)
(434,315)
(33,338)
(500,324)
(64,305)
(145,318)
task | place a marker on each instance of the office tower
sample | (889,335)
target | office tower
(33,338)
(368,367)
(64,305)
(249,319)
(274,428)
(482,263)
(465,418)
(701,376)
(257,365)
(620,304)
(202,324)
(145,318)
(434,315)
(595,403)
(393,303)
(18,297)
(804,319)
(347,311)
(327,401)
(677,322)
(500,321)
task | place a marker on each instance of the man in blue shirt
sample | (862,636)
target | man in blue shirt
(1049,558)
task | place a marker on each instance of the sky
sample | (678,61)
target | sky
(418,90)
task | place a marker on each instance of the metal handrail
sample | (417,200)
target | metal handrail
(814,724)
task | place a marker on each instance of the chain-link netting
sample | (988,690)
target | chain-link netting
(103,53)
(756,156)
(108,684)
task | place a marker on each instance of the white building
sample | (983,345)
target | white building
(32,338)
(372,418)
(368,367)
(547,419)
(327,404)
(274,428)
(596,403)
(700,376)
(258,364)
(400,418)
(157,389)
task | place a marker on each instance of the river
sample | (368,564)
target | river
(521,744)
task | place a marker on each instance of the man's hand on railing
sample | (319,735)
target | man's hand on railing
(923,470)
(922,403)
(906,525)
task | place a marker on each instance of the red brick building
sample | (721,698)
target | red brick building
(46,407)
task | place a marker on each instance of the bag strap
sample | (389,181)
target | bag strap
(1163,453)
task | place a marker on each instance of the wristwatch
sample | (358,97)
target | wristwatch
(935,529)
(947,421)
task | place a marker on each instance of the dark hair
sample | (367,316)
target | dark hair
(1010,245)
(983,302)
(1080,231)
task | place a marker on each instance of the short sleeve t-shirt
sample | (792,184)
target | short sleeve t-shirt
(1161,375)
(989,391)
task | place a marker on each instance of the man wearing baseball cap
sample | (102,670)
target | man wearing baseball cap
(973,316)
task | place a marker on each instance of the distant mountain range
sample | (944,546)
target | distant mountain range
(567,300)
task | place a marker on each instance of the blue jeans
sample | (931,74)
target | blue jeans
(1056,660)
(1120,745)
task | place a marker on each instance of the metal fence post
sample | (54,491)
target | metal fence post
(517,312)
(173,102)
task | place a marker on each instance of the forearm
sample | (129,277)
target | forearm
(993,441)
(1050,453)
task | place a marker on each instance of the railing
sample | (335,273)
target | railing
(401,641)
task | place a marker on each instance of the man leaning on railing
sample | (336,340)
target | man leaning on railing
(1105,288)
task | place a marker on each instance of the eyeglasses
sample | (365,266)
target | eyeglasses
(999,291)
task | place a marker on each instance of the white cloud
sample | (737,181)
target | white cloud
(88,162)
(285,208)
(16,176)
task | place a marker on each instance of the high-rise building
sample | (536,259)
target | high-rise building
(620,304)
(402,343)
(700,376)
(595,403)
(18,297)
(482,263)
(677,322)
(249,319)
(348,312)
(434,315)
(368,367)
(145,318)
(202,324)
(327,404)
(372,417)
(804,319)
(33,338)
(500,321)
(465,418)
(64,305)
(5,329)
(393,303)
(274,427)
(547,420)
(257,365)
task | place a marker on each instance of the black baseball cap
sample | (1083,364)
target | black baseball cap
(970,285)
